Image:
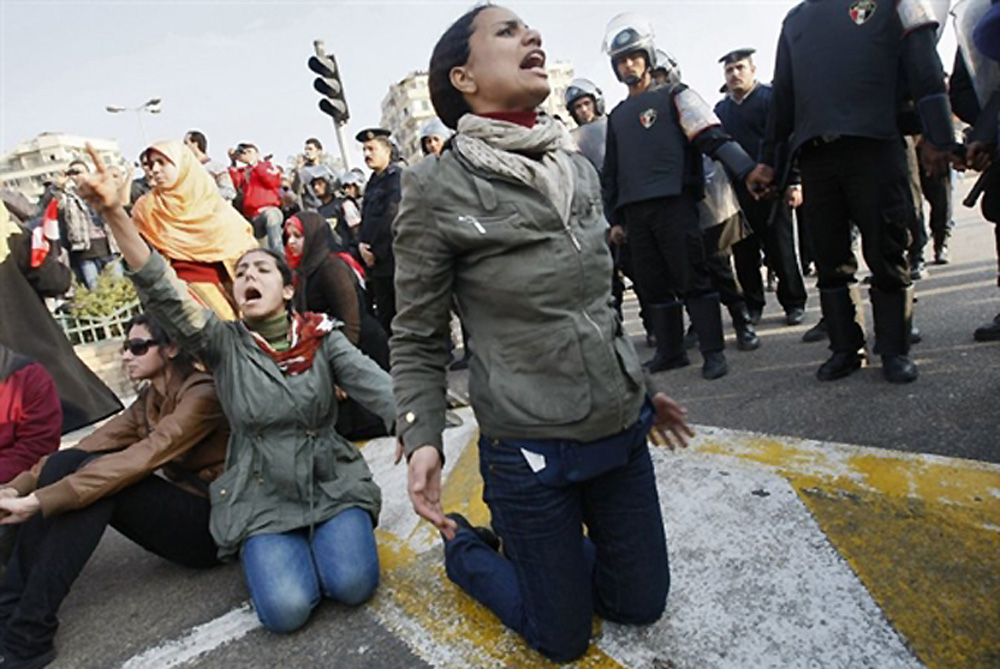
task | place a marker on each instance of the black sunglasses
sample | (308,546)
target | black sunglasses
(138,347)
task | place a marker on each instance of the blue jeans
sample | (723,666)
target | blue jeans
(550,579)
(269,222)
(88,270)
(286,574)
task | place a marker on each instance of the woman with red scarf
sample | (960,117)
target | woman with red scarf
(327,282)
(296,504)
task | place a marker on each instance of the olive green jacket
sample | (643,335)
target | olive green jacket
(549,357)
(286,467)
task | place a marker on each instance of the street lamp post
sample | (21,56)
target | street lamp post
(151,106)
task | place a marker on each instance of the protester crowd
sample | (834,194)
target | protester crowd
(289,314)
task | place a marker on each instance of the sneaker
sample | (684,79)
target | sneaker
(795,315)
(918,271)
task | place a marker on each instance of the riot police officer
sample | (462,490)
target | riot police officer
(585,104)
(652,181)
(837,110)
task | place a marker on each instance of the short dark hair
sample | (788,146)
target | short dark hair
(315,142)
(198,138)
(183,362)
(451,51)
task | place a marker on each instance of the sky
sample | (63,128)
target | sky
(237,70)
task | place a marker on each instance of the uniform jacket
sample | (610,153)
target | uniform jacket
(286,467)
(183,431)
(260,185)
(549,357)
(30,415)
(378,209)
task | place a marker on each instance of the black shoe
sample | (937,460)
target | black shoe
(795,315)
(816,332)
(915,338)
(690,339)
(484,534)
(658,364)
(898,369)
(755,314)
(989,332)
(714,366)
(839,365)
(941,256)
(10,661)
(746,337)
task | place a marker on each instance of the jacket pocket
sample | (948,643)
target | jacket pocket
(230,508)
(628,360)
(540,379)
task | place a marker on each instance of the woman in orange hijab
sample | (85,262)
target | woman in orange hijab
(188,222)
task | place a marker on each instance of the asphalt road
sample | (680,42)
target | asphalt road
(128,603)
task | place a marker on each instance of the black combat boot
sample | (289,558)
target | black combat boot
(893,315)
(746,337)
(988,332)
(667,320)
(706,317)
(840,314)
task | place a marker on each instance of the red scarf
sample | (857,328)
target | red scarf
(525,118)
(291,256)
(307,335)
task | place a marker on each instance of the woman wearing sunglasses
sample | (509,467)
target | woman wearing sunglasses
(65,502)
(297,503)
(510,223)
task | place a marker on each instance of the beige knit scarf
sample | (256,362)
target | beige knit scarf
(536,156)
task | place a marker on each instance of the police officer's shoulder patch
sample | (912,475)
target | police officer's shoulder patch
(647,118)
(862,10)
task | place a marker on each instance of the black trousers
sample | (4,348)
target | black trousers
(937,192)
(51,552)
(382,299)
(777,241)
(864,181)
(668,255)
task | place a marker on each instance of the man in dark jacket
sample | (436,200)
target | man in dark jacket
(743,113)
(378,209)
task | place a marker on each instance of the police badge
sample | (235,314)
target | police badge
(648,118)
(862,11)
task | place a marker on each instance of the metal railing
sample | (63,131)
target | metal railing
(87,329)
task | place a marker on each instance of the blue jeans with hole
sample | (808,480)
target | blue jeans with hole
(287,575)
(550,579)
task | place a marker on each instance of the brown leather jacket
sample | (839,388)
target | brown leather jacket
(183,431)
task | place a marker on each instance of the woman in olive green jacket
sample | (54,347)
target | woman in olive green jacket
(509,223)
(297,501)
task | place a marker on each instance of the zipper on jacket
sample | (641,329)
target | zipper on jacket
(472,220)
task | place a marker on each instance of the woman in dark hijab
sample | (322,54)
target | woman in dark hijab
(329,282)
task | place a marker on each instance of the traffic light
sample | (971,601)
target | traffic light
(328,84)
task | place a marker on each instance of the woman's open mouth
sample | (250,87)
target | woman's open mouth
(535,60)
(251,295)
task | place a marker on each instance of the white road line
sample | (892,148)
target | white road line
(200,640)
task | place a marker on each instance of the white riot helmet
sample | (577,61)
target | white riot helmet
(628,33)
(351,178)
(435,128)
(667,64)
(579,88)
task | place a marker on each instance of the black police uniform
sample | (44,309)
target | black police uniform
(652,180)
(378,210)
(837,108)
(771,221)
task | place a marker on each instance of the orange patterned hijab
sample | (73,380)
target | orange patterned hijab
(190,220)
